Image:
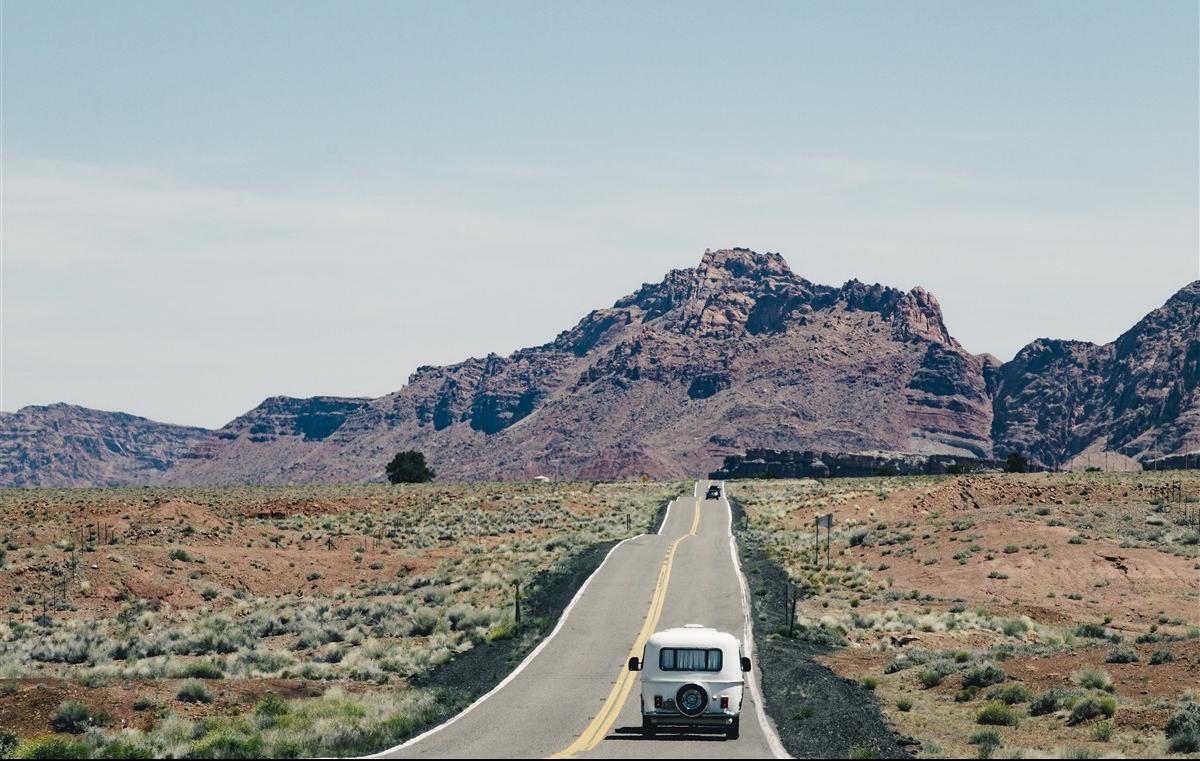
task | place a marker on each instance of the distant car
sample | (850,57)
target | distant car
(692,676)
(714,492)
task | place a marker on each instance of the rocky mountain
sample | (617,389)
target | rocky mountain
(66,445)
(736,353)
(1139,395)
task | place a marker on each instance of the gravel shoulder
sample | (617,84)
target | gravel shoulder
(818,713)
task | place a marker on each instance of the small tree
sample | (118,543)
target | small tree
(1017,462)
(409,468)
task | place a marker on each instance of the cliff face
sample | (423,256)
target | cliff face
(738,352)
(1137,395)
(66,445)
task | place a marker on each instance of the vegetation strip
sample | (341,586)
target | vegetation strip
(844,720)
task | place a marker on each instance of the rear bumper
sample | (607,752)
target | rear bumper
(674,719)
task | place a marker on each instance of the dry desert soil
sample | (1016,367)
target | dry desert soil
(1010,615)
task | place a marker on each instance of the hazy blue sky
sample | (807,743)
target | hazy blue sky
(209,203)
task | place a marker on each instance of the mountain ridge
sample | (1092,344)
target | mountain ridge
(738,352)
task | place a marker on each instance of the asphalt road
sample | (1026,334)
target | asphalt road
(573,697)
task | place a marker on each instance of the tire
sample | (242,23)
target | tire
(734,730)
(648,728)
(691,700)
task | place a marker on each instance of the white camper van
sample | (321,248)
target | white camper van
(692,677)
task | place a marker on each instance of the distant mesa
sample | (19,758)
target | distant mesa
(733,354)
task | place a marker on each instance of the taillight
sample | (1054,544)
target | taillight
(658,701)
(724,701)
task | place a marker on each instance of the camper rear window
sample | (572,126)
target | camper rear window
(689,659)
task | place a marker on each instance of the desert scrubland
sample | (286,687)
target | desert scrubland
(1002,615)
(281,621)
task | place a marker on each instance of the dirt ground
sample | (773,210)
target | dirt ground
(1040,574)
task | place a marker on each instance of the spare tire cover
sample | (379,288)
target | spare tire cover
(691,700)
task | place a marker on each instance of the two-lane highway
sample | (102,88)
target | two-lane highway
(573,697)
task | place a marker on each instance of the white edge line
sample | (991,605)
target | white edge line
(662,524)
(533,653)
(763,721)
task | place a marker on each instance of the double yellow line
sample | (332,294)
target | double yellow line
(604,720)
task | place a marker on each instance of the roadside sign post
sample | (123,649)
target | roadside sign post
(517,602)
(792,612)
(825,520)
(816,541)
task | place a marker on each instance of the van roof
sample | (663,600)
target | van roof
(692,635)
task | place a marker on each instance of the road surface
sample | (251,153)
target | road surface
(573,697)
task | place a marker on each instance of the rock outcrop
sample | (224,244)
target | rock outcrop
(773,463)
(67,445)
(1139,395)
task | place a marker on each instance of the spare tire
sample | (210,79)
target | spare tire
(691,700)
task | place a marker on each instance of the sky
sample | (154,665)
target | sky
(206,204)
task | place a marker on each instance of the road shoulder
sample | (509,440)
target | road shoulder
(842,715)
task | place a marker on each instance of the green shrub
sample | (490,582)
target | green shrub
(1014,627)
(1091,707)
(1048,702)
(1183,729)
(862,751)
(424,621)
(72,716)
(1122,654)
(983,676)
(1092,631)
(180,554)
(125,749)
(904,704)
(1011,694)
(194,691)
(272,705)
(1093,678)
(996,714)
(870,682)
(988,741)
(228,743)
(501,631)
(1160,656)
(931,677)
(8,742)
(53,747)
(201,670)
(1103,731)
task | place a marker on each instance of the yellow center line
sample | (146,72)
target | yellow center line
(603,721)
